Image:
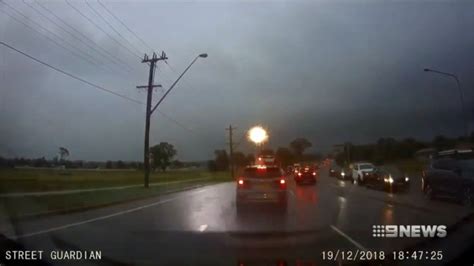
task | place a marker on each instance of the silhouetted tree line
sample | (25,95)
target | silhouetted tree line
(222,160)
(284,156)
(390,149)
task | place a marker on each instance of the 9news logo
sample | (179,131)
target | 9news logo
(412,231)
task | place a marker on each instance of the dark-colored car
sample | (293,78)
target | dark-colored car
(334,170)
(306,175)
(346,173)
(450,177)
(261,184)
(389,180)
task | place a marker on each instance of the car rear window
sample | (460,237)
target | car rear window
(272,172)
(366,166)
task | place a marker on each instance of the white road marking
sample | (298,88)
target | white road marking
(348,238)
(203,227)
(103,217)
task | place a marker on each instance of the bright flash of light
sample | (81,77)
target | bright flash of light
(257,134)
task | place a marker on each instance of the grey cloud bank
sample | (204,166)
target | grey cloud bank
(328,71)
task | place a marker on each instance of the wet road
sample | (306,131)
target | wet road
(202,226)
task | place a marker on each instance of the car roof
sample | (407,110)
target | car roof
(455,154)
(454,151)
(261,166)
(363,163)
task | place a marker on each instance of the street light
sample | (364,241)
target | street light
(461,95)
(257,135)
(204,55)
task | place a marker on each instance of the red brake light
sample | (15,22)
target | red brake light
(299,174)
(241,182)
(314,173)
(282,181)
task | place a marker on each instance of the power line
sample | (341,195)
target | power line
(100,28)
(112,57)
(70,75)
(49,38)
(178,123)
(95,85)
(241,140)
(92,59)
(186,86)
(80,39)
(134,34)
(110,26)
(59,26)
(126,27)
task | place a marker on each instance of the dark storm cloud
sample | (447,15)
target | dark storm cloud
(328,71)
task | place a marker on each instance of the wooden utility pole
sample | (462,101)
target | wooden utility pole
(231,151)
(146,158)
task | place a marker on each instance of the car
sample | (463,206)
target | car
(306,175)
(455,154)
(334,170)
(450,177)
(265,160)
(261,184)
(387,180)
(346,173)
(296,168)
(360,170)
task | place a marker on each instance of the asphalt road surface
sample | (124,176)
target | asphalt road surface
(202,226)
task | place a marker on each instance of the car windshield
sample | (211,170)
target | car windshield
(236,132)
(366,166)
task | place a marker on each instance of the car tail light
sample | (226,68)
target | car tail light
(299,174)
(241,182)
(282,183)
(314,173)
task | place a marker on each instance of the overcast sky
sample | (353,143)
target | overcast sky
(330,71)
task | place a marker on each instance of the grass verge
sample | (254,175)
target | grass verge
(32,206)
(36,180)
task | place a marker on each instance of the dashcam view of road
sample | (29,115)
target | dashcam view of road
(236,132)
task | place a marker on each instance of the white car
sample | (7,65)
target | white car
(360,170)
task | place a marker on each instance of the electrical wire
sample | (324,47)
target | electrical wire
(101,29)
(49,38)
(125,26)
(70,75)
(111,57)
(92,59)
(67,31)
(96,86)
(112,27)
